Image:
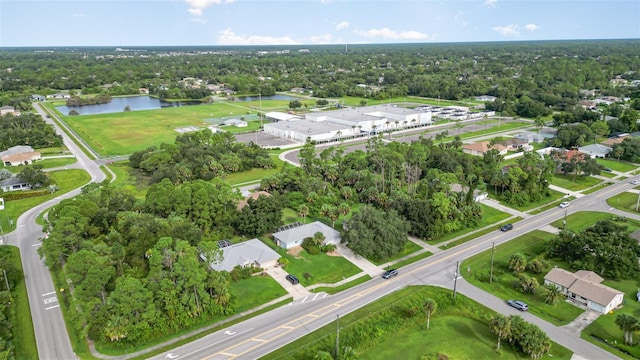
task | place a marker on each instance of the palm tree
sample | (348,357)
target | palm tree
(429,307)
(501,326)
(517,262)
(553,294)
(538,123)
(303,211)
(457,142)
(629,325)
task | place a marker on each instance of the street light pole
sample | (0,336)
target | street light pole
(455,279)
(564,222)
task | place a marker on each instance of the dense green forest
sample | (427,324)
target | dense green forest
(27,129)
(529,78)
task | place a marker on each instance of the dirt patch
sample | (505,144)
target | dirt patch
(333,253)
(295,251)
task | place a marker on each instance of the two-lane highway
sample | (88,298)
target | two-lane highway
(260,335)
(51,334)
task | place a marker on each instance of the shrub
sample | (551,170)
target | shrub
(309,245)
(240,272)
(283,261)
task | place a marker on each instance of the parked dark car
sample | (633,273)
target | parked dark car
(518,305)
(292,279)
(390,273)
(506,227)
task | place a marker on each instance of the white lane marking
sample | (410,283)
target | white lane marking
(215,343)
(50,300)
(171,356)
(34,245)
(229,332)
(52,307)
(49,293)
(304,299)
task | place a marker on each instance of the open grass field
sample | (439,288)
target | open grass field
(128,179)
(579,221)
(574,184)
(24,338)
(126,132)
(616,165)
(459,330)
(625,201)
(255,291)
(322,268)
(66,180)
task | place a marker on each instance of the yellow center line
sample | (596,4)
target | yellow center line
(322,311)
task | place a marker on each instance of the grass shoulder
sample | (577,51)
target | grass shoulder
(395,326)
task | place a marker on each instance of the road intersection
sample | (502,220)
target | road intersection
(264,333)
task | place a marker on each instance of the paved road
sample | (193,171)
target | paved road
(52,338)
(260,335)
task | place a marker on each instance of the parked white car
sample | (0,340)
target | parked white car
(635,182)
(564,204)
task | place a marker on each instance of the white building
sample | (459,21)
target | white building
(584,288)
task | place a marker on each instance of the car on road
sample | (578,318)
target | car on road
(390,273)
(518,305)
(635,182)
(293,279)
(506,227)
(564,204)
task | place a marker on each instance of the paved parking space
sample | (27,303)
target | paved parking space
(278,274)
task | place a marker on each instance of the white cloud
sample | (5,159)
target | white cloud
(387,33)
(342,25)
(532,27)
(325,1)
(196,6)
(228,37)
(198,20)
(320,39)
(508,30)
(490,3)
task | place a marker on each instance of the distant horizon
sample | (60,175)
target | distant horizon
(68,23)
(128,47)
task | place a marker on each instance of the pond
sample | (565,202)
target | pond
(118,104)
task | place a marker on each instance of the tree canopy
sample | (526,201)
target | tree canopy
(605,248)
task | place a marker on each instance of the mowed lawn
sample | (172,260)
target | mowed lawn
(322,268)
(458,337)
(576,183)
(255,291)
(123,133)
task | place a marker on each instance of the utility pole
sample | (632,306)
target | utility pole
(337,336)
(455,279)
(493,250)
(564,222)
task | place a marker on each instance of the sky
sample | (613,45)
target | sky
(122,23)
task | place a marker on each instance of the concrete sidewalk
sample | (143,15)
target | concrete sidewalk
(359,261)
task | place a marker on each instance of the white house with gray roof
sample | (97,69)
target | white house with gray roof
(584,288)
(596,150)
(294,236)
(247,253)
